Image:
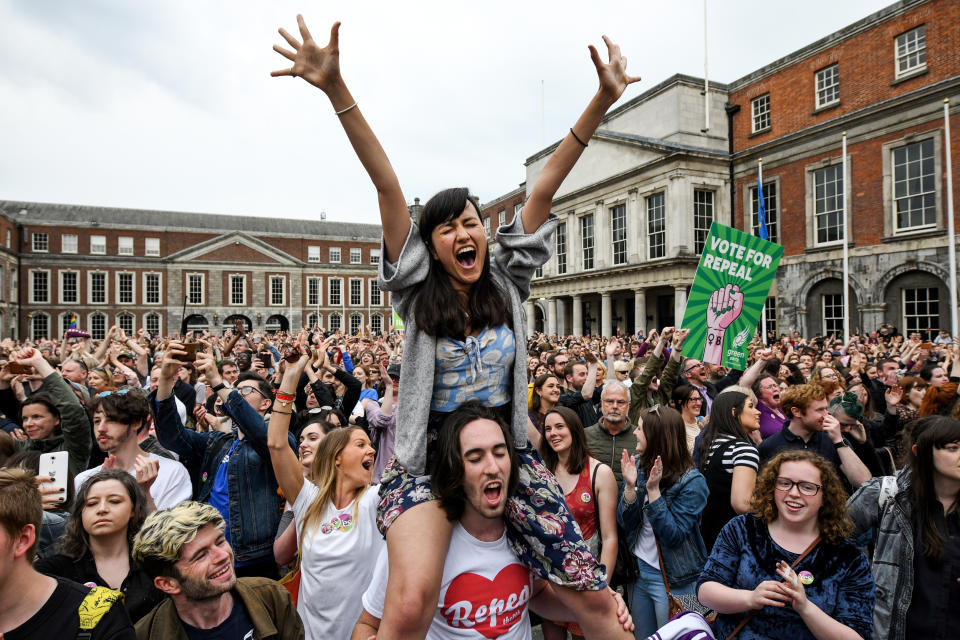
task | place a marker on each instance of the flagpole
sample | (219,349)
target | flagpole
(763,309)
(952,240)
(706,82)
(846,252)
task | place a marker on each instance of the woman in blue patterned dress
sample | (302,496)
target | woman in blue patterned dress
(462,308)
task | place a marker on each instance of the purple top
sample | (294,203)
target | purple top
(770,421)
(386,424)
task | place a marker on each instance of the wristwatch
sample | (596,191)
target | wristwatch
(841,444)
(223,385)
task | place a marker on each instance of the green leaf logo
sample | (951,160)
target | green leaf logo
(741,338)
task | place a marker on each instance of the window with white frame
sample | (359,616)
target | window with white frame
(832,313)
(151,247)
(618,227)
(502,218)
(238,289)
(313,320)
(356,323)
(771,213)
(151,288)
(125,246)
(126,322)
(356,255)
(313,291)
(68,319)
(39,286)
(151,322)
(376,297)
(921,311)
(376,323)
(68,243)
(278,290)
(656,226)
(770,314)
(69,287)
(98,245)
(41,242)
(760,110)
(336,322)
(98,326)
(538,272)
(334,255)
(828,85)
(125,292)
(195,288)
(374,256)
(702,218)
(586,241)
(828,204)
(98,287)
(486,225)
(356,292)
(335,286)
(914,186)
(911,50)
(40,326)
(561,248)
(313,254)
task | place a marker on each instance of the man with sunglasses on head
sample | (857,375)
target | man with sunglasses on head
(231,471)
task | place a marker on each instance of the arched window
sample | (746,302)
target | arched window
(151,322)
(40,326)
(335,322)
(98,326)
(68,319)
(126,322)
(312,320)
(376,323)
(356,323)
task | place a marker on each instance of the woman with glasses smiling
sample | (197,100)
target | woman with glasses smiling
(790,571)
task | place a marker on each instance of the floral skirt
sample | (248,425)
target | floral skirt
(540,528)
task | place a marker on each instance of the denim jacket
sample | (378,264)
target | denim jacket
(255,505)
(675,519)
(892,561)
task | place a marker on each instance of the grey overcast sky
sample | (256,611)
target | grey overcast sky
(168,104)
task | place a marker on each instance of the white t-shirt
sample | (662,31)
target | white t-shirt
(484,593)
(336,563)
(171,487)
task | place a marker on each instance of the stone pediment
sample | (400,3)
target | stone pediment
(235,247)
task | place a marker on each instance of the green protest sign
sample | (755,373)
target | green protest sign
(730,288)
(397,320)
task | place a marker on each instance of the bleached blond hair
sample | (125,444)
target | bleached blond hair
(157,547)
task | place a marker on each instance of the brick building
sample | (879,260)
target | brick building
(161,270)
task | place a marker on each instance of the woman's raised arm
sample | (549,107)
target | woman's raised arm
(321,68)
(613,81)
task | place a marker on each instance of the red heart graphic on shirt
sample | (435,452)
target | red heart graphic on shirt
(489,607)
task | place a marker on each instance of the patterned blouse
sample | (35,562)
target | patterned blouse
(478,368)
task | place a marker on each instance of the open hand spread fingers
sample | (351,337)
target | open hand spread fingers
(293,42)
(304,32)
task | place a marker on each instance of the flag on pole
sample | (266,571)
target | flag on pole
(761,211)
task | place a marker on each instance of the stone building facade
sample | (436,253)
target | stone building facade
(163,270)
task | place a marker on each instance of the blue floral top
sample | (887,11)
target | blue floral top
(478,368)
(745,555)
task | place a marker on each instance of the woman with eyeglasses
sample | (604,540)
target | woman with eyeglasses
(791,571)
(687,400)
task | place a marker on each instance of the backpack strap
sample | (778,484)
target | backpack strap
(94,606)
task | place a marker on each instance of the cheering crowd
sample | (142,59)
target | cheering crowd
(459,480)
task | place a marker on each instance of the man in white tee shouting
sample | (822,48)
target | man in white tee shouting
(485,592)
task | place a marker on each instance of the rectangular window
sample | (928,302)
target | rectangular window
(151,288)
(561,248)
(98,326)
(151,248)
(761,112)
(334,255)
(828,204)
(914,186)
(501,218)
(586,241)
(832,314)
(125,322)
(702,218)
(376,296)
(770,209)
(124,288)
(98,245)
(656,226)
(356,321)
(40,324)
(152,323)
(538,272)
(618,226)
(356,255)
(69,287)
(125,246)
(374,256)
(195,288)
(98,288)
(770,313)
(238,290)
(40,286)
(376,323)
(921,312)
(277,290)
(41,242)
(313,292)
(336,292)
(313,254)
(828,85)
(68,243)
(335,322)
(486,225)
(911,50)
(356,292)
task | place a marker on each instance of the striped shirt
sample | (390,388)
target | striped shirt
(740,454)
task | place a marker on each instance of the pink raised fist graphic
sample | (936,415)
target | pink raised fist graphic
(724,307)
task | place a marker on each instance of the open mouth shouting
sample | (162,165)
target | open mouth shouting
(467,257)
(493,493)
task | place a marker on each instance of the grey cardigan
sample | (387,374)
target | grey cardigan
(513,260)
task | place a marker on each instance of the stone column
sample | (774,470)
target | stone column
(577,315)
(561,317)
(679,304)
(551,323)
(531,317)
(640,311)
(606,315)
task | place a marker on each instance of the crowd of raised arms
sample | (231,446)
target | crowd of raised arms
(460,479)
